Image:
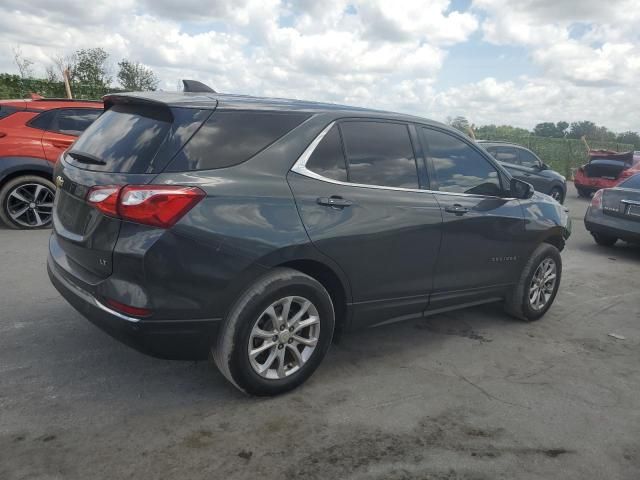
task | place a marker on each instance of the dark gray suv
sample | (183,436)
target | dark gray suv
(254,229)
(522,163)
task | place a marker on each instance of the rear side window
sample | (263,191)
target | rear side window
(6,111)
(328,158)
(44,121)
(230,137)
(460,168)
(380,153)
(124,139)
(507,155)
(74,121)
(631,182)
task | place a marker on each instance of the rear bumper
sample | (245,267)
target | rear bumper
(592,184)
(170,339)
(627,230)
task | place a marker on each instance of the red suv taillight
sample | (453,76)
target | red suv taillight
(596,201)
(156,205)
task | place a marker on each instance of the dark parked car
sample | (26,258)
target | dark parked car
(522,163)
(255,228)
(614,213)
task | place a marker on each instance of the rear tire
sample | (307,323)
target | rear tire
(583,192)
(288,352)
(522,302)
(603,239)
(26,202)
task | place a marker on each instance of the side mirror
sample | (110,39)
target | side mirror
(520,189)
(544,166)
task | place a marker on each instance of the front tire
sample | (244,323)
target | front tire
(26,202)
(557,194)
(604,240)
(537,286)
(276,334)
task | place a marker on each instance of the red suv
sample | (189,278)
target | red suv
(33,134)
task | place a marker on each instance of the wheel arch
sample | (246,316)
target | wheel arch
(331,281)
(13,167)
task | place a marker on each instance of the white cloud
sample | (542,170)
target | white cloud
(378,53)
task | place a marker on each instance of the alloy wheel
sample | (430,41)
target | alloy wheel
(30,205)
(542,284)
(284,337)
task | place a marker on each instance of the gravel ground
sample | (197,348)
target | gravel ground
(466,395)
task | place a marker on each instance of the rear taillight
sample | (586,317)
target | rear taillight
(596,201)
(105,199)
(157,205)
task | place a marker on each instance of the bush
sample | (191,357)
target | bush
(12,86)
(562,154)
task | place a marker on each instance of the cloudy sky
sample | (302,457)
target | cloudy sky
(495,61)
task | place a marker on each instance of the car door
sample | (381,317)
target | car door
(531,167)
(483,235)
(65,126)
(359,196)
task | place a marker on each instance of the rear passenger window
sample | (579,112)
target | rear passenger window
(74,121)
(379,153)
(231,137)
(507,154)
(328,158)
(460,168)
(44,121)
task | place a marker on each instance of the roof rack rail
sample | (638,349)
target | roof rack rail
(196,86)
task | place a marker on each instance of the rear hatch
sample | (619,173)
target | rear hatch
(606,168)
(129,144)
(622,203)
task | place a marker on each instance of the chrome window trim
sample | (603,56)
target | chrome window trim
(300,167)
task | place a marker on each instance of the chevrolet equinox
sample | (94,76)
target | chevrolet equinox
(252,229)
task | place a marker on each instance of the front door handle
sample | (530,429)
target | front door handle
(457,209)
(334,201)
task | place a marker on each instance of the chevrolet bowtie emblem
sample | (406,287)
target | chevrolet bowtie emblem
(59,181)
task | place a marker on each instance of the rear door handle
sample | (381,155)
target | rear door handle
(457,209)
(335,202)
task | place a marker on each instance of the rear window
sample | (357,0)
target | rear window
(631,182)
(230,137)
(124,139)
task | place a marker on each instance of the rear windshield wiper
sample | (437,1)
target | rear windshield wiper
(86,158)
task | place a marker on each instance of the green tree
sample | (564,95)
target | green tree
(546,129)
(562,127)
(134,76)
(629,137)
(583,128)
(460,123)
(91,68)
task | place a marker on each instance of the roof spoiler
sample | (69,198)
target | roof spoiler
(196,86)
